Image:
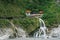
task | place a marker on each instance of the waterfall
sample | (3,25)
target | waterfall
(42,28)
(55,32)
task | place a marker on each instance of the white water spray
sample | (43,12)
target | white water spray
(42,28)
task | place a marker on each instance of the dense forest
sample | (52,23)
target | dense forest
(17,8)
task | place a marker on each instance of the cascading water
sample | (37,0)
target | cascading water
(42,30)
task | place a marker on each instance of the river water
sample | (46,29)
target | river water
(34,39)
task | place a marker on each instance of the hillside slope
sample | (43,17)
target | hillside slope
(17,8)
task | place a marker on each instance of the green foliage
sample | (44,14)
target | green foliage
(4,23)
(16,8)
(51,15)
(28,24)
